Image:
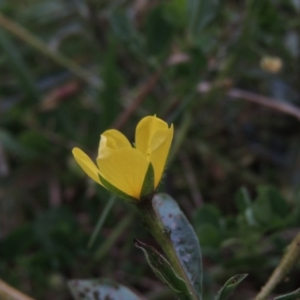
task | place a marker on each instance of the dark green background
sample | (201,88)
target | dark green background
(234,166)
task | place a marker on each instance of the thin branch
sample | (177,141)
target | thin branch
(144,91)
(7,292)
(286,264)
(272,103)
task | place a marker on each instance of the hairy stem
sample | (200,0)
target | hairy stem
(154,225)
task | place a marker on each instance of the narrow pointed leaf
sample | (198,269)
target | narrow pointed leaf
(163,270)
(183,238)
(229,286)
(96,289)
(148,185)
(291,296)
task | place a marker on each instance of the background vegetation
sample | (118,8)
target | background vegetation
(226,73)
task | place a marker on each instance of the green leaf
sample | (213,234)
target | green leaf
(148,184)
(229,286)
(242,199)
(163,270)
(244,205)
(96,289)
(277,204)
(209,235)
(207,220)
(207,214)
(183,238)
(270,208)
(291,296)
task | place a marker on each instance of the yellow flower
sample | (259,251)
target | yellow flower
(130,172)
(271,64)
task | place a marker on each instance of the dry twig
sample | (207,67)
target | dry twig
(144,91)
(7,292)
(274,104)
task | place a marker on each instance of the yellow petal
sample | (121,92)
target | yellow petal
(125,169)
(159,150)
(86,164)
(113,139)
(145,130)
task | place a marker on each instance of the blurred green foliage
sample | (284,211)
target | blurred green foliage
(148,58)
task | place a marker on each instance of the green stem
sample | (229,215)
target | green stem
(101,220)
(162,236)
(286,263)
(114,235)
